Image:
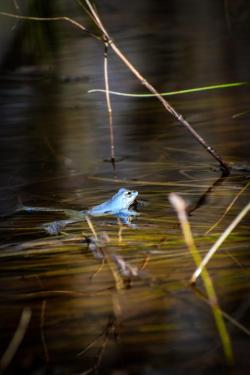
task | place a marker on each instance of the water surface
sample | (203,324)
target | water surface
(54,144)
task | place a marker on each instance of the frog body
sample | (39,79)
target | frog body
(118,204)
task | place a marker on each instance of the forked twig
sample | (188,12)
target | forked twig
(49,19)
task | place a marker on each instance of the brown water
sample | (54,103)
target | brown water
(54,142)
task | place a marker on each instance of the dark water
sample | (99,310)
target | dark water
(54,141)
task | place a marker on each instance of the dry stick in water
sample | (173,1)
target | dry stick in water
(218,243)
(180,207)
(224,167)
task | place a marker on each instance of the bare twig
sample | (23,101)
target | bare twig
(49,19)
(91,344)
(16,339)
(109,107)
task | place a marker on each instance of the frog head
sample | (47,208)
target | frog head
(124,198)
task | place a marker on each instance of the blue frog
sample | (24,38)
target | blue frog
(118,205)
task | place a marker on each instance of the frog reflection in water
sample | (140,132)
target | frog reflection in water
(119,205)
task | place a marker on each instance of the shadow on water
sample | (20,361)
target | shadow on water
(125,298)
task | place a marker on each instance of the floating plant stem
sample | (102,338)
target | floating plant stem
(218,243)
(180,207)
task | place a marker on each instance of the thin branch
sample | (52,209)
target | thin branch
(109,107)
(63,18)
(219,242)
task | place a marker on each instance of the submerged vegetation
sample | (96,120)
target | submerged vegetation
(116,274)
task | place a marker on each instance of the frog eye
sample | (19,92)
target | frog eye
(129,193)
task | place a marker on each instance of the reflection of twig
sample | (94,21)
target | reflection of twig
(145,262)
(45,348)
(218,243)
(203,198)
(16,339)
(105,335)
(91,344)
(120,230)
(180,207)
(228,317)
(116,276)
(109,107)
(98,270)
(227,209)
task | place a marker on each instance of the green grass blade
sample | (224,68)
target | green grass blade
(180,92)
